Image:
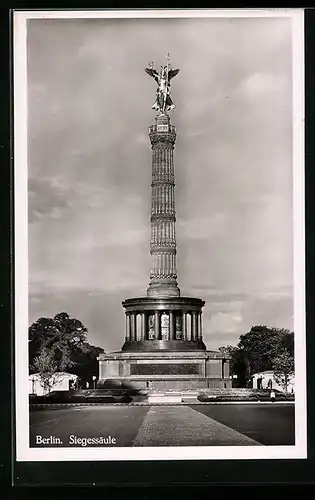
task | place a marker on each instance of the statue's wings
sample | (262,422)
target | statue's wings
(152,72)
(172,73)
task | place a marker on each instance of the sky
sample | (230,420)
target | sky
(89,169)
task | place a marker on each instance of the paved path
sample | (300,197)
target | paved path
(181,425)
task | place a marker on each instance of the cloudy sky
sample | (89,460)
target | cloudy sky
(89,163)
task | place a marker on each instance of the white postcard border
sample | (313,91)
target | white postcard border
(23,450)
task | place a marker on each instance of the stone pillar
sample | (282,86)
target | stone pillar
(157,325)
(127,327)
(184,326)
(200,325)
(222,368)
(227,369)
(172,329)
(143,326)
(193,326)
(130,326)
(133,326)
(196,326)
(201,328)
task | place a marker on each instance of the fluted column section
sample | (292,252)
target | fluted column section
(133,329)
(143,326)
(194,326)
(163,275)
(127,326)
(200,326)
(184,323)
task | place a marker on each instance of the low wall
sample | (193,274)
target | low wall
(164,383)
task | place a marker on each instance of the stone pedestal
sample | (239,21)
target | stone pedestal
(163,370)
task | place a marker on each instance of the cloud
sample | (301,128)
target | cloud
(224,322)
(45,199)
(203,227)
(260,84)
(89,164)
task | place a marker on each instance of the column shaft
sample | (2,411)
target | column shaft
(184,326)
(143,326)
(197,326)
(157,325)
(172,329)
(193,326)
(200,326)
(162,210)
(133,326)
(127,326)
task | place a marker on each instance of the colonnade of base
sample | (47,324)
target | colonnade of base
(163,325)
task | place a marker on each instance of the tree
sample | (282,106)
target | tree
(46,367)
(257,350)
(262,344)
(60,344)
(86,364)
(40,332)
(227,350)
(237,363)
(283,366)
(60,336)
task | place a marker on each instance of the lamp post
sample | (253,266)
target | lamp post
(94,381)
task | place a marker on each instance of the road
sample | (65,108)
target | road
(195,425)
(266,423)
(120,422)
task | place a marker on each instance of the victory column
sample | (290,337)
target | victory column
(164,346)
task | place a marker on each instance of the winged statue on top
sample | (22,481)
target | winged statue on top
(163,78)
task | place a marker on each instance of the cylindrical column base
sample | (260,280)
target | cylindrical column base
(163,324)
(163,290)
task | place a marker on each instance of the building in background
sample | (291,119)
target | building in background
(60,381)
(266,380)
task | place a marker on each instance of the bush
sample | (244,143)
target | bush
(203,398)
(126,399)
(103,399)
(253,396)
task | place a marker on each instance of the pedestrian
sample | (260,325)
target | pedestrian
(273,396)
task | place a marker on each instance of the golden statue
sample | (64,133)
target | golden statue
(163,78)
